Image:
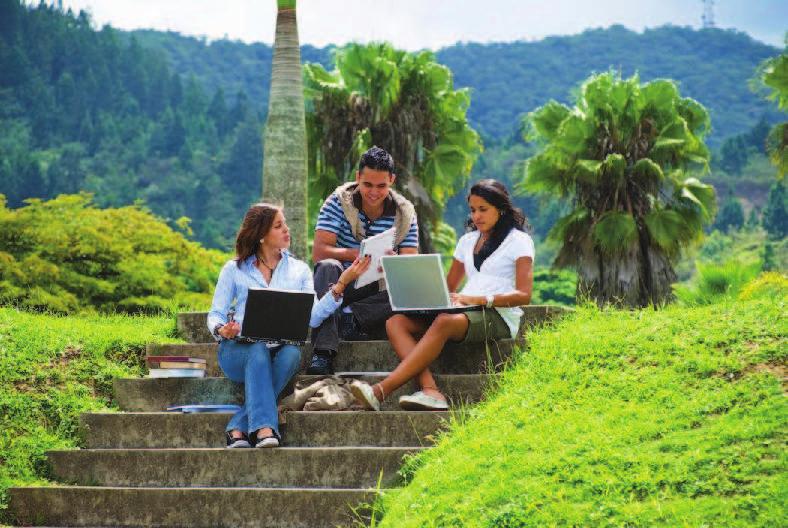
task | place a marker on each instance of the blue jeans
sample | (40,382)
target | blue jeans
(263,377)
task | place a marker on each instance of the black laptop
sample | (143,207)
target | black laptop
(277,316)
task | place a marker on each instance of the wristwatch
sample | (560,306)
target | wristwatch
(490,301)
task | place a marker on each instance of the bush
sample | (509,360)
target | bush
(770,285)
(716,281)
(554,287)
(65,255)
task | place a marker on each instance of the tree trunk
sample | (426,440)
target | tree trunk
(611,280)
(662,277)
(284,148)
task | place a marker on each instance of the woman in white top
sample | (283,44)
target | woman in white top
(497,257)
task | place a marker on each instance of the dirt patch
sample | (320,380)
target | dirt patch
(71,352)
(776,369)
(780,370)
(60,363)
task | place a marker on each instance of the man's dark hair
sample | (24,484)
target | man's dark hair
(376,159)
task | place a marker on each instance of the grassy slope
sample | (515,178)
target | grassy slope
(51,370)
(674,418)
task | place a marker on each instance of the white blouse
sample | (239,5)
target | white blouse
(498,271)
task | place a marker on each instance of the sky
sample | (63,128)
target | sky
(432,24)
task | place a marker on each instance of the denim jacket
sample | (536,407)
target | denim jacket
(290,274)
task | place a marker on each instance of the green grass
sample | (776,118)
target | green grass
(52,369)
(674,417)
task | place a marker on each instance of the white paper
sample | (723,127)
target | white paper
(375,246)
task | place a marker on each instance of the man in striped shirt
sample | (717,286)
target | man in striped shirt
(353,212)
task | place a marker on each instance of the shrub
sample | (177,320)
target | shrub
(770,285)
(554,287)
(716,281)
(66,255)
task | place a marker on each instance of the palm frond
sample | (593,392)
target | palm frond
(613,170)
(544,173)
(647,174)
(666,228)
(700,194)
(615,232)
(544,122)
(570,228)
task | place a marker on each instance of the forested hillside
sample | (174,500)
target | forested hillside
(510,79)
(82,109)
(176,121)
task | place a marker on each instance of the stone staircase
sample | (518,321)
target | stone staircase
(146,467)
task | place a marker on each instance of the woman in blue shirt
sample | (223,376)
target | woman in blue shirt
(262,261)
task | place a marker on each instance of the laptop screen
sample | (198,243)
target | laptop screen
(415,282)
(277,315)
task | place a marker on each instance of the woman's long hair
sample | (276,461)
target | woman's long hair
(495,193)
(256,224)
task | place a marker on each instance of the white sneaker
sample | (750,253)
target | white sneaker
(365,395)
(268,441)
(419,401)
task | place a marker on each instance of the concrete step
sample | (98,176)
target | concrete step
(193,328)
(369,356)
(324,467)
(302,429)
(150,395)
(178,507)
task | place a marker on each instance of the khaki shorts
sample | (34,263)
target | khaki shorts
(485,324)
(477,320)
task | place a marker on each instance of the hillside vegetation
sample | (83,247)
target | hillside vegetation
(638,418)
(66,255)
(87,110)
(54,368)
(510,79)
(176,121)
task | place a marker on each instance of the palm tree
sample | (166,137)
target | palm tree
(284,149)
(403,102)
(622,156)
(773,74)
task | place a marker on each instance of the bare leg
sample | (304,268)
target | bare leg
(402,331)
(445,327)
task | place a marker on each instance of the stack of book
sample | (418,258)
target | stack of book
(175,367)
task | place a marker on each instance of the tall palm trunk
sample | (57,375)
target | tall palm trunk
(284,149)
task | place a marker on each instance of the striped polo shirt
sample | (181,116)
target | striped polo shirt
(332,219)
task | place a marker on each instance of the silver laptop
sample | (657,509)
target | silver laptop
(416,285)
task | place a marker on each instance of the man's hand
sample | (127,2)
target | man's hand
(325,247)
(230,330)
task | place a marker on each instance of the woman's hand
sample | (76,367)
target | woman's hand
(459,299)
(230,330)
(359,266)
